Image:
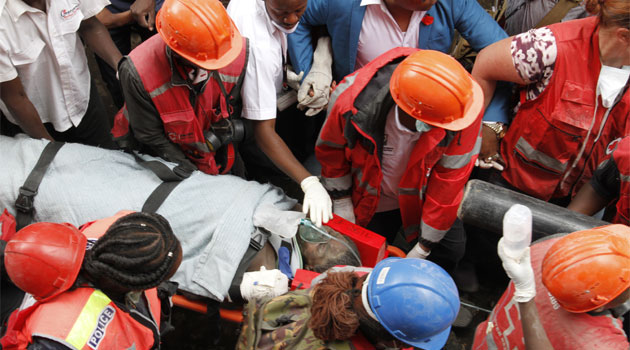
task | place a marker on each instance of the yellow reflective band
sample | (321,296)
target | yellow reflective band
(87,320)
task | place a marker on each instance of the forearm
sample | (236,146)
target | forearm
(114,20)
(533,330)
(97,38)
(14,97)
(275,148)
(587,201)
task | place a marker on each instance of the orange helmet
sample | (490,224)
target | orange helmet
(200,31)
(44,258)
(588,269)
(433,87)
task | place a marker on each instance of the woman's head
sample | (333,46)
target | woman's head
(139,251)
(337,312)
(612,13)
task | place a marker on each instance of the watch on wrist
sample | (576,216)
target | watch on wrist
(498,128)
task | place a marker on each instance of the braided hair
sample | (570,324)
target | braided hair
(136,253)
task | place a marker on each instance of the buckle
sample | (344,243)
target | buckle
(24,201)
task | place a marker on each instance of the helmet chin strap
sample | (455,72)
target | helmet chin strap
(364,299)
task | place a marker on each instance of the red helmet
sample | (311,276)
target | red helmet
(43,259)
(588,269)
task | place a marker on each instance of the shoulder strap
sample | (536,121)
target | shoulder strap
(170,177)
(557,13)
(28,191)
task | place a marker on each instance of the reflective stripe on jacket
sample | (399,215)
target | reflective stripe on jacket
(86,318)
(555,141)
(183,124)
(565,330)
(350,151)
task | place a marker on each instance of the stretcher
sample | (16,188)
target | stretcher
(236,315)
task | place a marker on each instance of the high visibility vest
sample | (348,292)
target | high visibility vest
(621,157)
(349,149)
(85,318)
(566,330)
(184,124)
(555,140)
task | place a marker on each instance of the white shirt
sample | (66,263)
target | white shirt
(45,51)
(380,32)
(267,44)
(397,146)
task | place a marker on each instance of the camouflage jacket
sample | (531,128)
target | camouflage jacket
(281,323)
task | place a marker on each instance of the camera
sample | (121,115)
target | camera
(226,131)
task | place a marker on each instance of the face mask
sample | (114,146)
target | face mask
(422,126)
(285,30)
(611,82)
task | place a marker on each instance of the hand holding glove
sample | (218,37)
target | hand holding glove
(263,283)
(314,92)
(418,252)
(520,272)
(344,208)
(316,200)
(293,79)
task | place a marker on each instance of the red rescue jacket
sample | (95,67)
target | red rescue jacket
(350,144)
(86,318)
(555,140)
(184,124)
(565,330)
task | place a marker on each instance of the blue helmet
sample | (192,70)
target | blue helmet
(414,299)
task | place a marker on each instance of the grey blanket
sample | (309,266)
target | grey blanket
(211,215)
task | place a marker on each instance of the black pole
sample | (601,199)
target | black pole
(484,205)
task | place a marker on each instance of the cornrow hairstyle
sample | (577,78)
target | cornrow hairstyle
(136,253)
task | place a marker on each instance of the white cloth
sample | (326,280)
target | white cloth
(380,32)
(265,283)
(45,51)
(268,46)
(610,83)
(212,216)
(397,146)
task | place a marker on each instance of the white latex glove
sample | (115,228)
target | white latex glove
(344,208)
(487,165)
(316,201)
(520,272)
(293,80)
(263,283)
(318,79)
(418,252)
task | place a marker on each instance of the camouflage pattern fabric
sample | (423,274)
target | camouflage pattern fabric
(281,323)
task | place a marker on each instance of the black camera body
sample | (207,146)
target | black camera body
(227,131)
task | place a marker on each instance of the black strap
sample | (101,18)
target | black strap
(161,170)
(158,196)
(170,177)
(28,191)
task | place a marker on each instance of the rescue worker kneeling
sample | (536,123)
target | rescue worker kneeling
(398,145)
(182,88)
(104,296)
(412,301)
